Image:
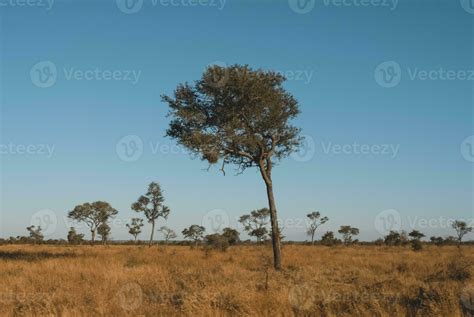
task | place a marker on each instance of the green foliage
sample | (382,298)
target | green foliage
(461,228)
(36,235)
(104,231)
(217,241)
(232,235)
(135,227)
(168,234)
(194,232)
(329,239)
(256,223)
(395,238)
(347,233)
(416,237)
(74,238)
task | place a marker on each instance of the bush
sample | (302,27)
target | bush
(217,241)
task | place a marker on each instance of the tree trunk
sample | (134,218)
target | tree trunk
(152,233)
(93,237)
(275,232)
(312,238)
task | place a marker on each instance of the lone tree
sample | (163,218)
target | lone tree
(151,204)
(315,222)
(75,238)
(256,223)
(347,233)
(462,229)
(416,237)
(168,234)
(36,234)
(93,215)
(243,119)
(232,235)
(104,232)
(135,227)
(194,232)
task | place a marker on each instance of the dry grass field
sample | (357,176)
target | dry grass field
(173,280)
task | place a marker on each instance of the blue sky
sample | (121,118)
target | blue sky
(62,145)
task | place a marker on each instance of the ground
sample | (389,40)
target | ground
(177,280)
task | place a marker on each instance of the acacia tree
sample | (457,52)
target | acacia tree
(104,232)
(93,215)
(256,223)
(194,232)
(36,234)
(167,233)
(315,222)
(462,229)
(151,204)
(347,233)
(135,227)
(244,119)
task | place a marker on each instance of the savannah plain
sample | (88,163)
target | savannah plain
(178,280)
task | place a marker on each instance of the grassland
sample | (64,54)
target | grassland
(177,280)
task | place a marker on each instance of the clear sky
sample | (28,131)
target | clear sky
(81,84)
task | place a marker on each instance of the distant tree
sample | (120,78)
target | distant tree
(151,204)
(315,221)
(135,227)
(416,237)
(255,223)
(194,232)
(439,241)
(347,233)
(243,119)
(168,234)
(93,215)
(217,241)
(73,237)
(462,229)
(104,231)
(36,234)
(329,239)
(232,235)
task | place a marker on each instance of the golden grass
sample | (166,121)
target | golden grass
(172,280)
